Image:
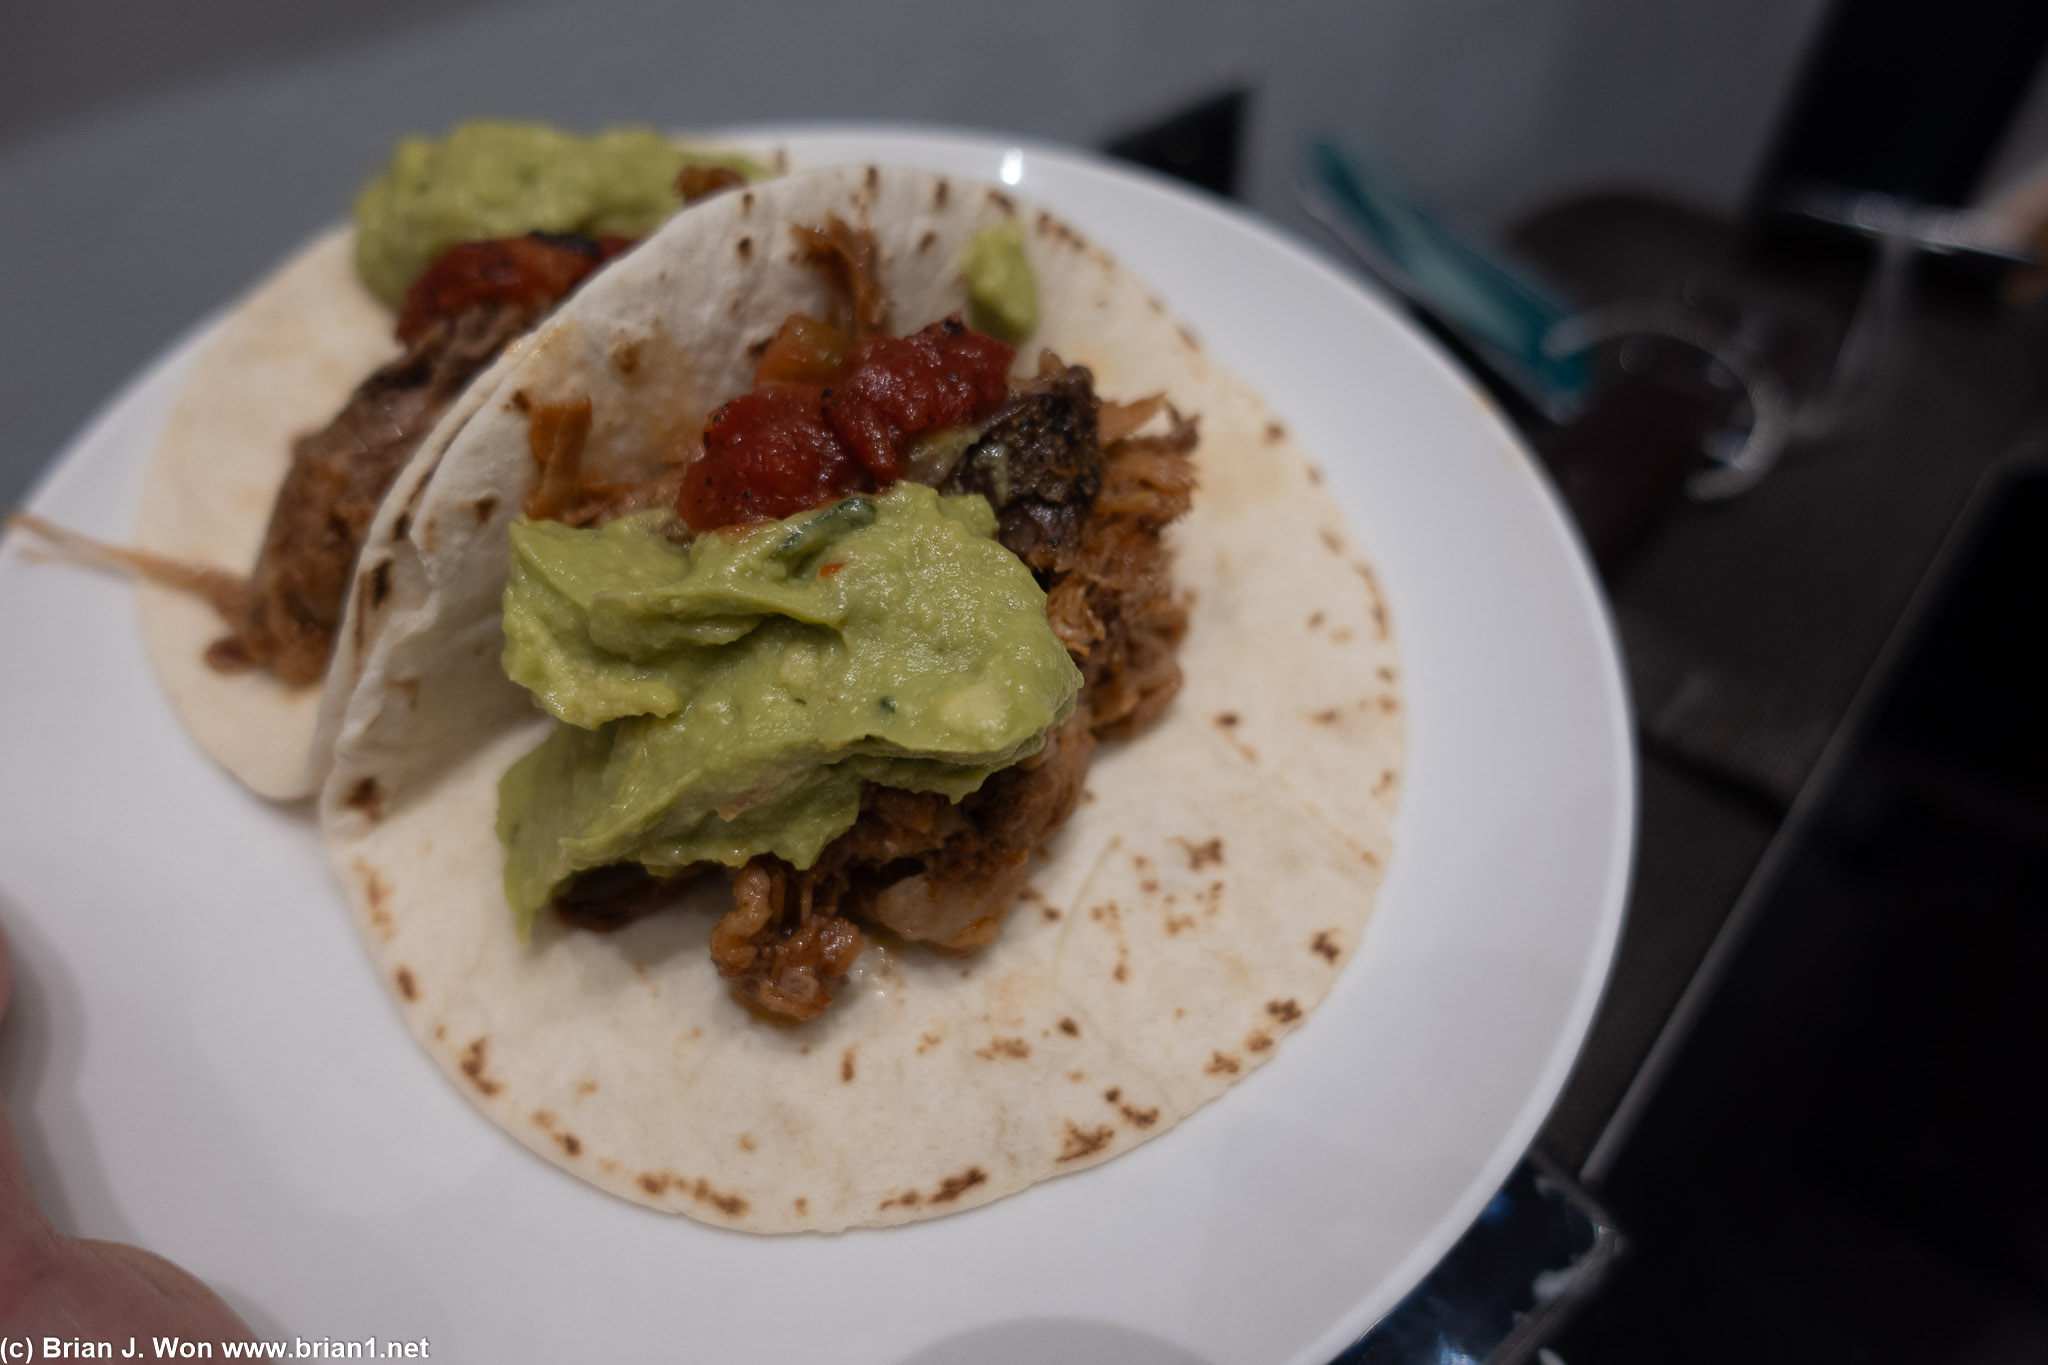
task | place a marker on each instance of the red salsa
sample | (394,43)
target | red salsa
(827,418)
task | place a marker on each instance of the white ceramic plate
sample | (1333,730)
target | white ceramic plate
(199,1059)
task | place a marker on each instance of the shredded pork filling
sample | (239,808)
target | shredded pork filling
(1082,500)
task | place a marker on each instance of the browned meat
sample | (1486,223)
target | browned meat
(338,476)
(854,262)
(779,950)
(1039,464)
(701,182)
(1114,609)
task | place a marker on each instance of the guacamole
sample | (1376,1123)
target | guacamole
(1002,293)
(728,698)
(505,179)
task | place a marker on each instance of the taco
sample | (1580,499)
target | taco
(280,450)
(1204,818)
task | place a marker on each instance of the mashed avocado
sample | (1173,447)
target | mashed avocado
(728,699)
(506,179)
(1002,293)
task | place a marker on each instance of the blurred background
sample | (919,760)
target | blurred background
(1781,344)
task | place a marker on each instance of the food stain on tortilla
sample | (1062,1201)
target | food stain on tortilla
(1080,1142)
(1222,1064)
(474,1059)
(1325,947)
(407,985)
(846,1062)
(366,799)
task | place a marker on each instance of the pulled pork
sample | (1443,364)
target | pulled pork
(472,301)
(1082,498)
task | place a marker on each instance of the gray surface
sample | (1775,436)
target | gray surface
(155,156)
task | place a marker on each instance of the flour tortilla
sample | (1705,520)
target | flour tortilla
(282,365)
(1198,905)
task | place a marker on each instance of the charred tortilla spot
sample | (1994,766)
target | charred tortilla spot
(585,1087)
(1051,912)
(544,1118)
(747,1143)
(927,242)
(1079,1142)
(1315,475)
(520,402)
(1386,780)
(1201,855)
(926,1041)
(1138,1118)
(1341,636)
(939,193)
(1324,946)
(375,894)
(1258,1041)
(846,1062)
(1113,1094)
(380,582)
(1315,621)
(483,507)
(654,1184)
(953,1186)
(401,529)
(366,799)
(626,358)
(803,1205)
(474,1058)
(1332,542)
(872,179)
(1123,967)
(1189,338)
(746,248)
(1003,202)
(746,207)
(1275,432)
(1069,1027)
(1328,717)
(410,688)
(1004,1047)
(1228,719)
(909,1199)
(407,985)
(731,1205)
(571,1144)
(1286,1011)
(1222,1064)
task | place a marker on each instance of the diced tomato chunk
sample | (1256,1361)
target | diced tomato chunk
(767,454)
(794,442)
(899,387)
(533,272)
